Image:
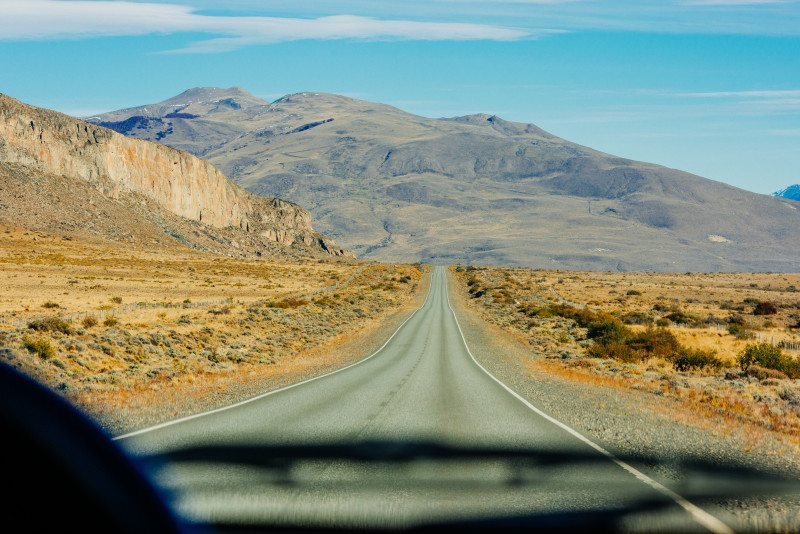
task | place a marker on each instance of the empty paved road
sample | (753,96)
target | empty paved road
(422,387)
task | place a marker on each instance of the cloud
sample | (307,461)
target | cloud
(781,93)
(49,19)
(733,2)
(770,101)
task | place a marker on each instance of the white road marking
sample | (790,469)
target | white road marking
(701,516)
(267,394)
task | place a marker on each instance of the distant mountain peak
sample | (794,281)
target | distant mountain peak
(396,186)
(792,192)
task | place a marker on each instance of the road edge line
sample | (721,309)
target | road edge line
(704,518)
(268,393)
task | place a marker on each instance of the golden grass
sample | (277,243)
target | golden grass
(144,324)
(499,295)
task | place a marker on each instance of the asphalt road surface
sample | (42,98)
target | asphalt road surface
(416,434)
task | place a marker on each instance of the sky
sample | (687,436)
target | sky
(707,86)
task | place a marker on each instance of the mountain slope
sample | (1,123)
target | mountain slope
(792,192)
(475,189)
(46,156)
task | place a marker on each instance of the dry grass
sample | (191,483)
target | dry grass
(698,309)
(132,326)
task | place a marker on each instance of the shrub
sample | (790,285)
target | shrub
(697,359)
(39,346)
(679,317)
(290,302)
(116,300)
(51,324)
(89,321)
(582,316)
(658,342)
(737,319)
(765,308)
(606,331)
(637,318)
(770,357)
(614,350)
(50,305)
(740,331)
(633,292)
(764,373)
(663,322)
(110,321)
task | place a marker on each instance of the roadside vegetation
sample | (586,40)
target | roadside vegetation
(729,343)
(112,328)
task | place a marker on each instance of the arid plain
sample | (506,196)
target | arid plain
(724,345)
(131,334)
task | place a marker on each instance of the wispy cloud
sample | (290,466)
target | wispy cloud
(733,2)
(781,93)
(753,101)
(49,19)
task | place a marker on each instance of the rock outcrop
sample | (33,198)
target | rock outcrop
(176,181)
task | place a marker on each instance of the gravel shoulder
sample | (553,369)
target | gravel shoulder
(633,423)
(191,399)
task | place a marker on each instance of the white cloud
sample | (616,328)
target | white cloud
(49,19)
(776,101)
(781,94)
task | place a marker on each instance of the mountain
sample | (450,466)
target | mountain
(475,189)
(792,192)
(60,173)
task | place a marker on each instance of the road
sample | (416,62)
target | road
(417,433)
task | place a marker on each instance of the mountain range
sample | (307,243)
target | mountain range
(476,189)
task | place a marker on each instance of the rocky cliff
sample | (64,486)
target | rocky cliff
(176,181)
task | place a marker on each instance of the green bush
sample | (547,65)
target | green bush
(770,357)
(633,292)
(89,321)
(696,359)
(39,346)
(740,331)
(51,324)
(606,331)
(765,308)
(110,321)
(658,342)
(679,317)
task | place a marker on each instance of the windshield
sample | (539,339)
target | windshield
(523,264)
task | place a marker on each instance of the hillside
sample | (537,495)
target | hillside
(476,189)
(62,174)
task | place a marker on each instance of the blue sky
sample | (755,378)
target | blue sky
(707,86)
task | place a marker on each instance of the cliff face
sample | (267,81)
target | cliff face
(176,181)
